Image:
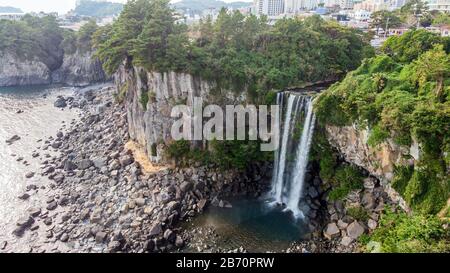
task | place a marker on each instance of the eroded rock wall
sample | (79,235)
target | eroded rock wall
(379,161)
(14,71)
(78,69)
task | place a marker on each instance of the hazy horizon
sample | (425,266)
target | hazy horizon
(60,6)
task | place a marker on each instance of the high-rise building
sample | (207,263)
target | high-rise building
(376,5)
(440,5)
(295,6)
(269,7)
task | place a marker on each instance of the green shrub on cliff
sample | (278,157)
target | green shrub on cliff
(144,99)
(403,96)
(345,179)
(240,53)
(417,233)
(224,154)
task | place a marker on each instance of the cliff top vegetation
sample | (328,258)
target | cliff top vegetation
(237,52)
(402,94)
(35,38)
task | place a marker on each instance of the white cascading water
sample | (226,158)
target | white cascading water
(288,177)
(281,164)
(301,162)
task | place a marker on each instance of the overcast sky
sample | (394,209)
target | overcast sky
(60,6)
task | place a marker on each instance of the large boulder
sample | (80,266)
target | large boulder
(332,231)
(355,230)
(60,102)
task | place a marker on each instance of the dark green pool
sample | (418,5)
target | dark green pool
(252,224)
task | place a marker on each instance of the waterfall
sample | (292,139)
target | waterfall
(291,159)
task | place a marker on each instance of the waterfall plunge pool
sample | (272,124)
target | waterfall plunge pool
(251,223)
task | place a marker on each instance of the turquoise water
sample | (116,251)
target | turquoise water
(252,224)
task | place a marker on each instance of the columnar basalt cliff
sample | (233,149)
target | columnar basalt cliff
(150,97)
(78,69)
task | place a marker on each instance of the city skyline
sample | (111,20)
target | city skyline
(60,6)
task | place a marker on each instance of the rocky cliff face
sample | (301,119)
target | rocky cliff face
(79,69)
(150,123)
(76,70)
(379,161)
(14,71)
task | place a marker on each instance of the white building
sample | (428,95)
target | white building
(361,15)
(269,7)
(376,5)
(11,16)
(440,5)
(296,6)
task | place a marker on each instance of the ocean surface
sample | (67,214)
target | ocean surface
(38,121)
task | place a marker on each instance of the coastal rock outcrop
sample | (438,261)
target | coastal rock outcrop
(15,71)
(78,69)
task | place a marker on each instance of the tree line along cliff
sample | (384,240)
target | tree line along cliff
(36,50)
(240,53)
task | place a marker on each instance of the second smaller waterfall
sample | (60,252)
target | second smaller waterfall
(291,159)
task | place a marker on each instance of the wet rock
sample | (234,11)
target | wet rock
(13,139)
(25,221)
(48,221)
(60,102)
(34,212)
(52,205)
(24,196)
(64,238)
(48,170)
(313,192)
(56,144)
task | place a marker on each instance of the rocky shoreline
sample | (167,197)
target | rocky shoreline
(103,200)
(106,197)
